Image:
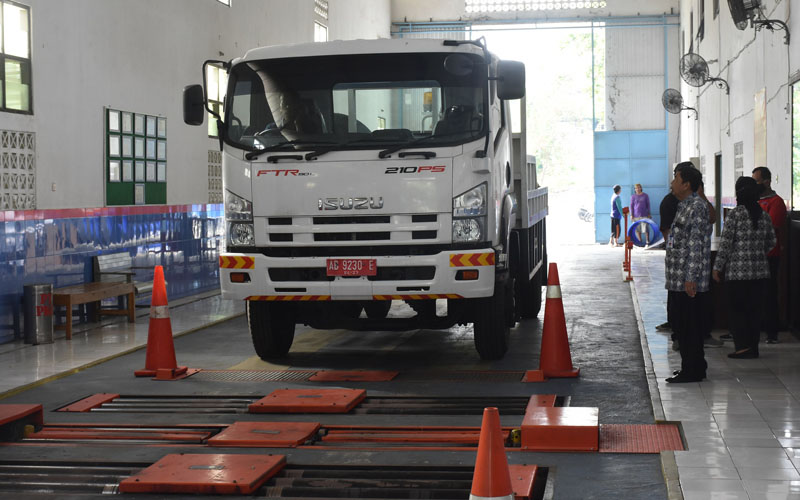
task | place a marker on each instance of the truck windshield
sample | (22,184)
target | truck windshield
(356,101)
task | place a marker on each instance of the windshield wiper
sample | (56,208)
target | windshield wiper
(410,144)
(340,145)
(256,153)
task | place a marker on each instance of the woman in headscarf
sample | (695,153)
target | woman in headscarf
(742,258)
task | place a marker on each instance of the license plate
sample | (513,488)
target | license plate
(352,267)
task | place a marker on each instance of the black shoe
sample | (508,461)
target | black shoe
(746,354)
(682,378)
(726,336)
(664,327)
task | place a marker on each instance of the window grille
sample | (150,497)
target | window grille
(480,6)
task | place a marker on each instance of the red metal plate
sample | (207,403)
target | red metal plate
(12,413)
(560,429)
(522,477)
(536,400)
(265,434)
(621,438)
(93,401)
(309,401)
(352,267)
(77,433)
(205,474)
(353,376)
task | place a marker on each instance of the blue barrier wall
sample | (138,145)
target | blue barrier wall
(627,158)
(57,246)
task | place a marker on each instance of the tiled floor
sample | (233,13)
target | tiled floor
(24,364)
(742,424)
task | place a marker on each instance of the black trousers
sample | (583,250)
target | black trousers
(770,301)
(706,307)
(688,327)
(744,312)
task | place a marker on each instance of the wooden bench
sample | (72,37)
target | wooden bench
(118,267)
(94,292)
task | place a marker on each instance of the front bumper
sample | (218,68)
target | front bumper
(442,285)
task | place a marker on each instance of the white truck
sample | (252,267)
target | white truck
(357,173)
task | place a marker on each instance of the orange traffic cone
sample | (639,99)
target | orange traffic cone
(491,479)
(160,361)
(555,360)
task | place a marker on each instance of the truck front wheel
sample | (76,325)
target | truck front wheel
(490,324)
(271,327)
(530,300)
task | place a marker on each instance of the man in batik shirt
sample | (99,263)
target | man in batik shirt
(688,268)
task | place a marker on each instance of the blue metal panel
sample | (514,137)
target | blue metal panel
(611,145)
(627,158)
(647,143)
(610,172)
(649,172)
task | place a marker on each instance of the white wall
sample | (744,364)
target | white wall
(138,56)
(749,61)
(453,10)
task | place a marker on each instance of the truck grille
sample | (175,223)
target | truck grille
(345,230)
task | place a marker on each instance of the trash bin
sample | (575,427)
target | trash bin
(38,314)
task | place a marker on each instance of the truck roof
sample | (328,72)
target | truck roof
(341,47)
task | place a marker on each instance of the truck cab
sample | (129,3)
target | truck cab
(358,173)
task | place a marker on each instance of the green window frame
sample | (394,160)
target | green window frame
(15,51)
(135,158)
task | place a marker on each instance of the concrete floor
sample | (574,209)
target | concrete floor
(739,425)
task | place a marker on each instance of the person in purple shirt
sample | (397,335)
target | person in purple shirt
(640,209)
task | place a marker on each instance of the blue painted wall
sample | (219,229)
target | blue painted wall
(627,158)
(57,246)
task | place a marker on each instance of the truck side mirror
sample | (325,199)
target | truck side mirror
(510,80)
(194,105)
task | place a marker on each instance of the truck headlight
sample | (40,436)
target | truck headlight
(469,215)
(237,208)
(471,203)
(465,230)
(241,234)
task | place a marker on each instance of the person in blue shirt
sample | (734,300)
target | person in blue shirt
(616,215)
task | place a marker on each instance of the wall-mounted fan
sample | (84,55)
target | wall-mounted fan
(744,11)
(694,71)
(672,100)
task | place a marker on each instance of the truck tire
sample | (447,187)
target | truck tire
(490,325)
(511,297)
(530,301)
(271,328)
(377,309)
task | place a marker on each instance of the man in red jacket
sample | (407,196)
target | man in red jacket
(776,208)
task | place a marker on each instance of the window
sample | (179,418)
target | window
(217,80)
(15,70)
(716,8)
(321,15)
(479,6)
(320,32)
(136,158)
(347,97)
(796,146)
